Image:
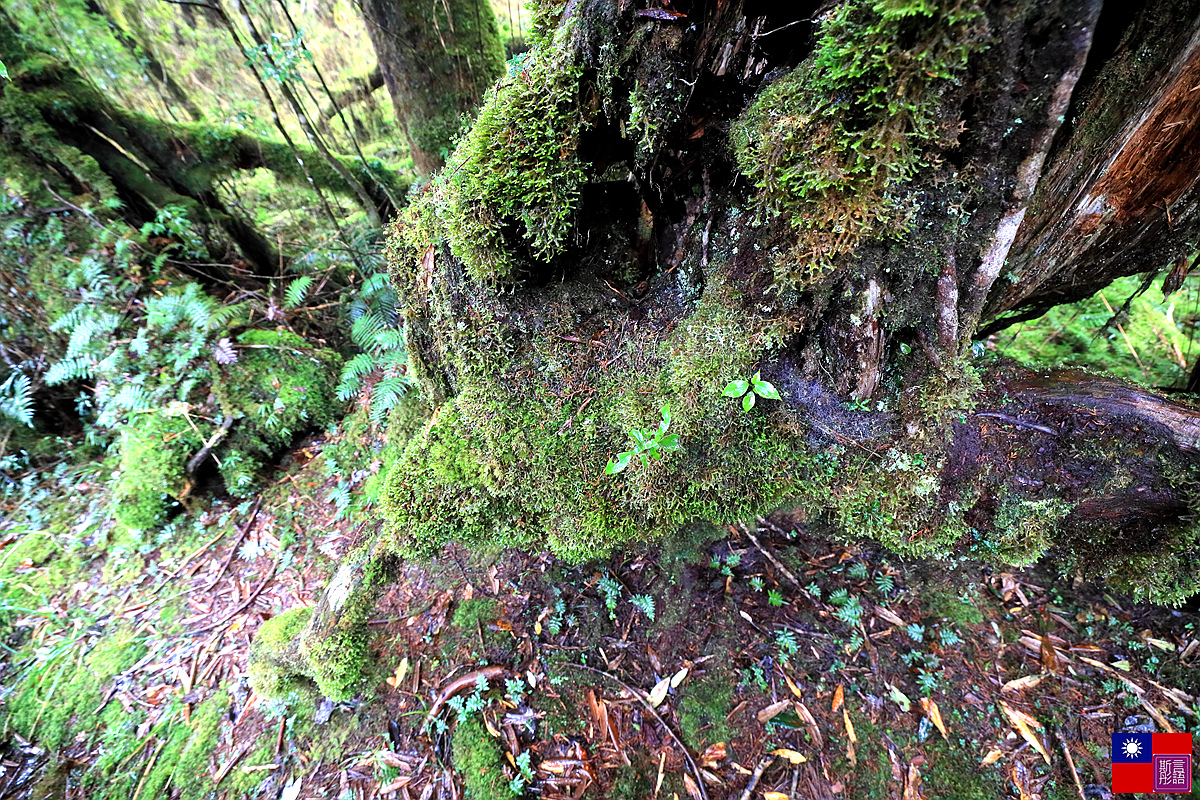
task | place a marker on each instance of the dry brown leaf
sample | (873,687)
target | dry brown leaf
(814,732)
(889,616)
(1162,721)
(849,726)
(713,754)
(1018,684)
(935,716)
(772,711)
(992,757)
(897,773)
(1048,655)
(775,796)
(1024,725)
(792,686)
(659,692)
(692,788)
(839,696)
(912,783)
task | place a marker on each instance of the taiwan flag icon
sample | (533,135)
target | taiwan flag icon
(1152,762)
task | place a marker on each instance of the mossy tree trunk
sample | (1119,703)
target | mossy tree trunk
(63,135)
(656,205)
(437,61)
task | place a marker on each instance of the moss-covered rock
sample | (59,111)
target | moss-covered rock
(274,653)
(155,448)
(479,759)
(279,387)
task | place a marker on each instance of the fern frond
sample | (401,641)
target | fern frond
(366,328)
(69,369)
(16,398)
(297,290)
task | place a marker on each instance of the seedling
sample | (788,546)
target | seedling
(748,390)
(647,444)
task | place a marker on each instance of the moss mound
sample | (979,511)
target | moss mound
(155,449)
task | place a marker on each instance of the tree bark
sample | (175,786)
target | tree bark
(437,60)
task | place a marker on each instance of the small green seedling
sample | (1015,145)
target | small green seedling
(748,390)
(647,444)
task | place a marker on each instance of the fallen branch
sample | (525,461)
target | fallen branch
(456,686)
(756,775)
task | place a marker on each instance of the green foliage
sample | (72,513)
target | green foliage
(748,390)
(278,387)
(829,145)
(647,444)
(16,398)
(154,449)
(375,329)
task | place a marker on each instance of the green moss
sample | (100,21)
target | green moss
(949,605)
(275,644)
(279,387)
(473,612)
(154,452)
(703,708)
(478,758)
(829,145)
(68,684)
(954,771)
(1025,528)
(517,168)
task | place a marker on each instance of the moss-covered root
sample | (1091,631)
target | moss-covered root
(326,645)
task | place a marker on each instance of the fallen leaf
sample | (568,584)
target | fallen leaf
(810,724)
(792,686)
(912,783)
(692,788)
(678,677)
(773,710)
(292,790)
(1018,684)
(889,617)
(935,715)
(839,695)
(849,726)
(1024,725)
(992,757)
(401,670)
(775,796)
(712,755)
(659,692)
(790,755)
(1048,654)
(900,698)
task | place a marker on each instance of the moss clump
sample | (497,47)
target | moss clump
(511,189)
(703,710)
(279,387)
(955,772)
(275,644)
(68,685)
(1025,529)
(154,452)
(479,759)
(828,145)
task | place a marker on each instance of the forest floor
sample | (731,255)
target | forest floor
(764,664)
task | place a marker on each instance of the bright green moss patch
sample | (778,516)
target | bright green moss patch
(828,145)
(703,709)
(511,189)
(155,449)
(478,758)
(276,643)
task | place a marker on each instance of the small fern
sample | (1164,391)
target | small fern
(16,398)
(296,291)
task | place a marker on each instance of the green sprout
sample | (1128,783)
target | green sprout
(748,390)
(647,444)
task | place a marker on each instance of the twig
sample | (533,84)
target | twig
(756,775)
(642,698)
(198,459)
(233,550)
(1014,421)
(225,770)
(249,601)
(771,557)
(1070,761)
